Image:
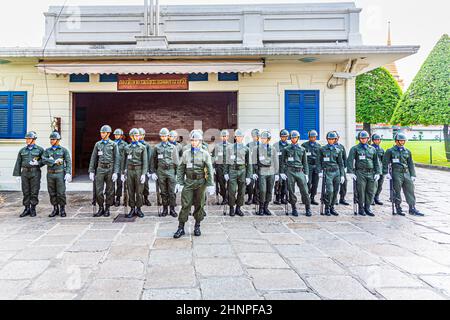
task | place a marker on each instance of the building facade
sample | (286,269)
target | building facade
(211,67)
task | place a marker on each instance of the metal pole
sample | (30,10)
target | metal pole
(157,18)
(146,18)
(151,15)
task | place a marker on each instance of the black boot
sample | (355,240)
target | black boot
(294,210)
(197,231)
(139,213)
(327,211)
(266,209)
(413,211)
(33,211)
(308,211)
(146,201)
(238,211)
(231,211)
(378,202)
(284,200)
(224,201)
(106,213)
(25,212)
(368,211)
(55,212)
(345,203)
(165,211)
(172,212)
(249,201)
(179,232)
(277,200)
(333,211)
(260,210)
(100,212)
(361,211)
(313,201)
(398,210)
(62,212)
(130,214)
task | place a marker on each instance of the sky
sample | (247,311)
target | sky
(413,22)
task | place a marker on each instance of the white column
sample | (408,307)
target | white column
(350,113)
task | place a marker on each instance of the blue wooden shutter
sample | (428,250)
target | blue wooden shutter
(292,110)
(4,115)
(18,114)
(302,111)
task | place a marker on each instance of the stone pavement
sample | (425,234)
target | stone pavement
(253,257)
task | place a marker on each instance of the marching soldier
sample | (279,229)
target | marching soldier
(106,156)
(121,144)
(403,174)
(376,141)
(331,169)
(312,148)
(28,172)
(219,155)
(343,186)
(149,155)
(364,167)
(59,171)
(294,168)
(238,172)
(251,188)
(281,188)
(134,171)
(194,177)
(163,167)
(265,168)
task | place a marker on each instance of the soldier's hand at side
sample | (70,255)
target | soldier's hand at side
(143,179)
(248,181)
(376,177)
(255,176)
(123,178)
(342,180)
(34,162)
(68,178)
(91,176)
(178,187)
(154,176)
(307,178)
(114,177)
(19,180)
(353,176)
(226,177)
(277,178)
(388,176)
(149,174)
(320,174)
(211,190)
(413,179)
(283,176)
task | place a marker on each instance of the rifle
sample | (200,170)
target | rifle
(125,195)
(322,195)
(391,191)
(356,204)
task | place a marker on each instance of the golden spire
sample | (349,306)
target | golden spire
(389,42)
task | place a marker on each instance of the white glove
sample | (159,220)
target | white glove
(211,190)
(255,176)
(413,179)
(342,180)
(178,187)
(277,178)
(68,178)
(345,169)
(376,177)
(114,177)
(148,175)
(353,176)
(226,177)
(307,178)
(214,170)
(34,162)
(91,176)
(59,161)
(248,181)
(388,176)
(320,174)
(19,180)
(154,176)
(123,178)
(143,179)
(283,176)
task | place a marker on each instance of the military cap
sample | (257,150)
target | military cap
(332,135)
(196,135)
(363,135)
(238,133)
(134,132)
(118,131)
(224,133)
(105,128)
(55,136)
(266,135)
(400,137)
(255,133)
(284,133)
(173,134)
(337,133)
(295,134)
(164,132)
(31,135)
(312,133)
(376,136)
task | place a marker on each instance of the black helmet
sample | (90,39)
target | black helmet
(400,137)
(332,135)
(363,135)
(376,136)
(312,133)
(284,133)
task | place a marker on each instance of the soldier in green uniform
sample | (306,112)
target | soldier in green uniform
(106,156)
(194,177)
(403,174)
(265,168)
(173,136)
(251,188)
(149,155)
(134,169)
(281,188)
(331,169)
(343,186)
(312,148)
(59,171)
(163,168)
(294,168)
(365,169)
(219,155)
(376,141)
(121,144)
(28,173)
(238,172)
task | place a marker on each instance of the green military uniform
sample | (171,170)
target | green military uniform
(146,191)
(121,144)
(343,187)
(363,162)
(135,166)
(30,176)
(294,165)
(56,172)
(265,165)
(251,190)
(164,164)
(331,163)
(219,156)
(106,156)
(281,187)
(238,168)
(379,183)
(312,152)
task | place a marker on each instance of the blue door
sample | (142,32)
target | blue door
(302,111)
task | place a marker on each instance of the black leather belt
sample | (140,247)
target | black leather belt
(295,169)
(30,168)
(195,176)
(367,170)
(132,166)
(332,169)
(164,166)
(54,171)
(105,165)
(238,166)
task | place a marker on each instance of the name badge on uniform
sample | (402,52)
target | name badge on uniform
(160,156)
(262,158)
(130,156)
(189,165)
(233,157)
(396,160)
(100,153)
(308,154)
(326,159)
(291,159)
(363,157)
(280,153)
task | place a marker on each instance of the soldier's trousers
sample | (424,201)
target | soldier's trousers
(193,194)
(236,184)
(31,184)
(102,178)
(299,179)
(332,180)
(250,190)
(343,188)
(118,185)
(365,184)
(281,189)
(56,187)
(265,183)
(135,188)
(403,181)
(220,172)
(166,182)
(146,191)
(379,187)
(313,183)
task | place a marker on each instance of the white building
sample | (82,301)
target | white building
(249,66)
